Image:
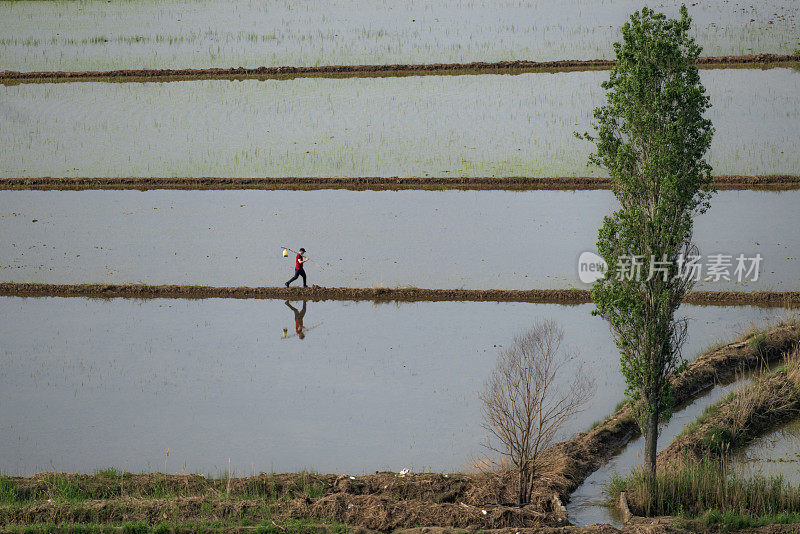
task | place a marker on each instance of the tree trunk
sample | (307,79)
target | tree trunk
(525,482)
(651,443)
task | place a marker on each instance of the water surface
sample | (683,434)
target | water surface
(86,384)
(485,125)
(777,453)
(429,239)
(65,35)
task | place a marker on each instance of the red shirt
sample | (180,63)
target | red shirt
(297,264)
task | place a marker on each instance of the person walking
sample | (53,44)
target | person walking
(298,268)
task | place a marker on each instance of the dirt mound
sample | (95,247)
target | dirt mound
(471,489)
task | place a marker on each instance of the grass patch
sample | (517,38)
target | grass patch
(621,404)
(8,491)
(109,472)
(692,488)
(274,489)
(112,484)
(139,527)
(731,520)
(60,488)
(709,411)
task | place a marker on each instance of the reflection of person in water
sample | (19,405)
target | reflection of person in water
(298,319)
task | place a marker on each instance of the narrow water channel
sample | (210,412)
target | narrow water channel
(776,453)
(589,503)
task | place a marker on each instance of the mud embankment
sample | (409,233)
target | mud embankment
(500,67)
(762,406)
(572,461)
(381,502)
(785,299)
(376,183)
(378,503)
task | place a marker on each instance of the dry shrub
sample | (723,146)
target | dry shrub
(526,403)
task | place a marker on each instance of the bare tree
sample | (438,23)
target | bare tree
(526,400)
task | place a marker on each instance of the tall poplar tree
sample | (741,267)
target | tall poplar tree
(651,135)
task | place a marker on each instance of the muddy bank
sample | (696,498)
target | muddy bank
(500,67)
(378,294)
(381,502)
(376,183)
(574,460)
(373,502)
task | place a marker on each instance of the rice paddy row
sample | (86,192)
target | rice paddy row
(213,33)
(431,126)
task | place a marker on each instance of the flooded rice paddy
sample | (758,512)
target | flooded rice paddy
(428,239)
(777,453)
(63,35)
(487,125)
(95,383)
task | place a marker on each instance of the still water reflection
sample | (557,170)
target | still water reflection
(96,383)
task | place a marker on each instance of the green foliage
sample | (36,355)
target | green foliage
(797,54)
(299,526)
(651,136)
(60,487)
(732,520)
(8,491)
(615,485)
(161,489)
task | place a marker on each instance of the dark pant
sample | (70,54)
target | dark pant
(298,273)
